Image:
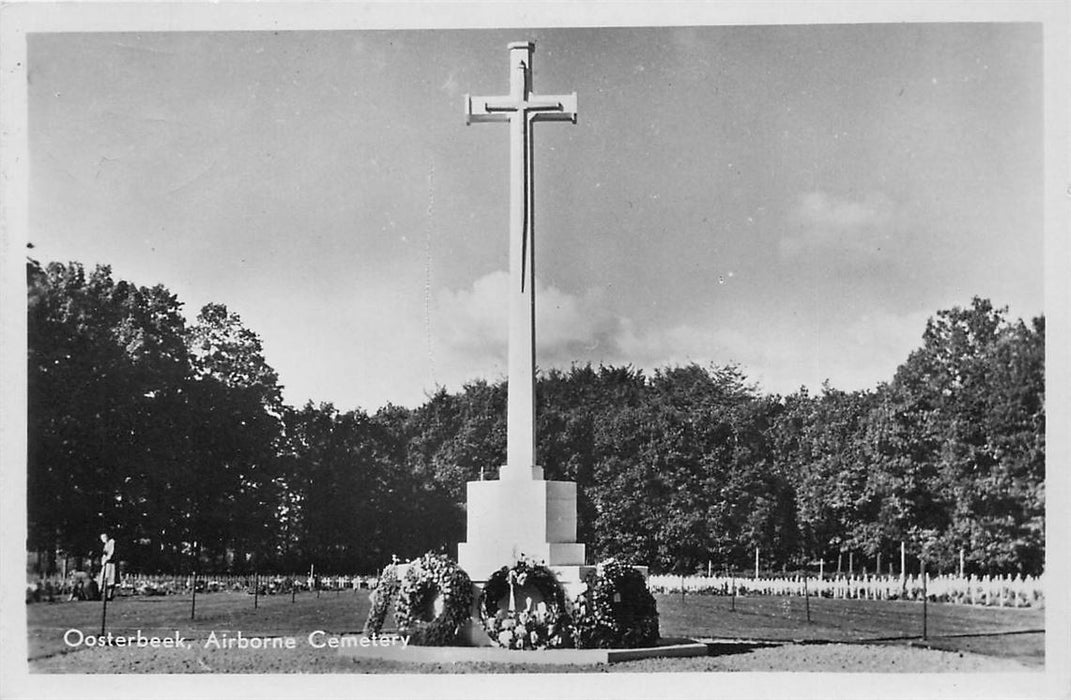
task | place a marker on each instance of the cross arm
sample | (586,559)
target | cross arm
(559,108)
(476,109)
(479,108)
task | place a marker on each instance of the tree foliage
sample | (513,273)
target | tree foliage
(175,438)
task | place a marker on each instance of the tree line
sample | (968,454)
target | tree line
(173,436)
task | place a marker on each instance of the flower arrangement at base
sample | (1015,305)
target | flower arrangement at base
(616,610)
(434,601)
(385,593)
(514,620)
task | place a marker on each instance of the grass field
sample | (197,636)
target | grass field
(761,634)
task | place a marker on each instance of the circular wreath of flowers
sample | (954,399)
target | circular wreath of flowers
(545,625)
(432,579)
(382,595)
(616,610)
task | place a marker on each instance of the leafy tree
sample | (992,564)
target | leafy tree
(176,438)
(469,431)
(968,408)
(820,449)
(106,363)
(234,424)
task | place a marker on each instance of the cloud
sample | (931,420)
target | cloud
(821,210)
(859,229)
(473,323)
(682,344)
(395,344)
(855,354)
(878,342)
(473,320)
(450,86)
(470,332)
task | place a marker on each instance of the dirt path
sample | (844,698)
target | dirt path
(825,658)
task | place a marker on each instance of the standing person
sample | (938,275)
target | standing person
(107,566)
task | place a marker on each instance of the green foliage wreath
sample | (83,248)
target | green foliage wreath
(434,601)
(545,625)
(616,610)
(385,592)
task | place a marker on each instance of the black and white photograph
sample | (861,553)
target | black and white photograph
(537,349)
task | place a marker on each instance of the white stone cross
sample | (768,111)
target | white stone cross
(520,108)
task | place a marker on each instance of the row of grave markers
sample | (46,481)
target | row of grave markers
(1002,591)
(50,587)
(240,582)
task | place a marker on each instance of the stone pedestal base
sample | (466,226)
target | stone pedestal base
(520,515)
(515,517)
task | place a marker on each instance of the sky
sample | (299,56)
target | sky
(797,200)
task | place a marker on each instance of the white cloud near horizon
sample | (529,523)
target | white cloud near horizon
(820,222)
(471,323)
(470,336)
(856,355)
(461,336)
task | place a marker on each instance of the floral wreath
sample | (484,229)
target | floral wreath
(616,610)
(522,625)
(429,581)
(385,592)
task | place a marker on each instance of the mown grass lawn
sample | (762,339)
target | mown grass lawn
(853,636)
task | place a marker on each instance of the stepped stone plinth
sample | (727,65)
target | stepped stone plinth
(520,515)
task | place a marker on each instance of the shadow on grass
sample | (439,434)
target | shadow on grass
(731,648)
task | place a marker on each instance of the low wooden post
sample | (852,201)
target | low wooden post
(256,590)
(732,592)
(922,567)
(104,599)
(806,598)
(293,589)
(193,600)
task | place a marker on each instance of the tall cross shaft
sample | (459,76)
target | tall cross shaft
(521,108)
